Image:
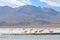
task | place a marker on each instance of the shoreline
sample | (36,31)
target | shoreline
(30,31)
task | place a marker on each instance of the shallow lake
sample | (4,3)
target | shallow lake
(29,37)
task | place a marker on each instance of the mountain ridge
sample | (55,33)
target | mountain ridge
(26,15)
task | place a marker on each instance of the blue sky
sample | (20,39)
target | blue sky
(54,4)
(44,4)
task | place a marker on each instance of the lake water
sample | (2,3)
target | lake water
(29,37)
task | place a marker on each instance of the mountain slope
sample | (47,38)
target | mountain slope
(26,15)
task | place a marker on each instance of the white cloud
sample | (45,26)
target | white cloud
(52,2)
(14,3)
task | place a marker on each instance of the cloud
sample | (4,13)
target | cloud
(52,2)
(14,3)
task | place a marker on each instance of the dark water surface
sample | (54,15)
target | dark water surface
(29,37)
